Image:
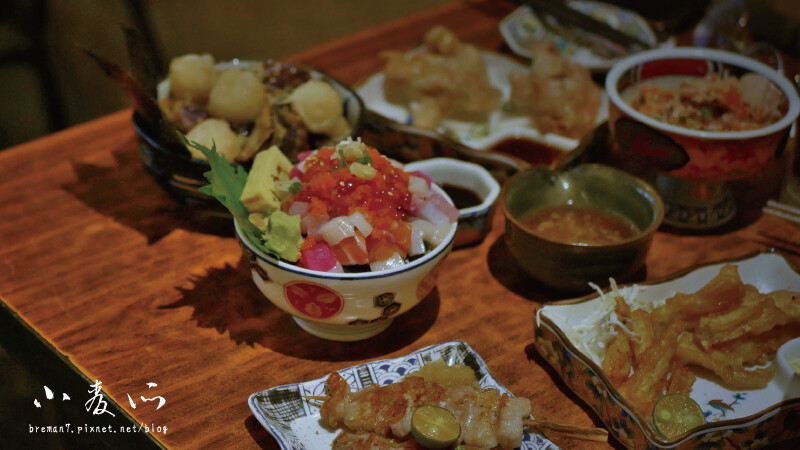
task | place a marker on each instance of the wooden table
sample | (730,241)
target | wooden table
(135,289)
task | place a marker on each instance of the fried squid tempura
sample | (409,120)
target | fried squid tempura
(488,419)
(725,328)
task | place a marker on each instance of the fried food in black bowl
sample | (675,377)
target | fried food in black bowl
(241,107)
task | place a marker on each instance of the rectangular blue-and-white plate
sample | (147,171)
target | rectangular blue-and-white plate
(294,421)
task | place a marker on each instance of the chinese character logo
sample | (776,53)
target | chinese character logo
(97,404)
(160,399)
(49,394)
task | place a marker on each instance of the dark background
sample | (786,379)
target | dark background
(47,84)
(37,37)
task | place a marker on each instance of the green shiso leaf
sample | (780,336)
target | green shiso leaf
(226,182)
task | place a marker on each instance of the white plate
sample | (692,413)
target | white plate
(477,135)
(723,408)
(295,422)
(521,28)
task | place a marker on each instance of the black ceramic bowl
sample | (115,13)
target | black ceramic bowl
(181,175)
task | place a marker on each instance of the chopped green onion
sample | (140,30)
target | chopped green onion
(342,160)
(364,159)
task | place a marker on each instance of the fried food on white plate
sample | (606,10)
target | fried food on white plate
(557,93)
(444,78)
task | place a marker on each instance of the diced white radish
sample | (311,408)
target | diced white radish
(337,229)
(417,246)
(395,261)
(418,185)
(360,222)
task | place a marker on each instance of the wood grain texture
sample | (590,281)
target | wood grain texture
(136,288)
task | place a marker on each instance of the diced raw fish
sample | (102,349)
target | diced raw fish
(418,185)
(424,176)
(298,209)
(360,222)
(394,261)
(431,233)
(352,250)
(435,209)
(318,257)
(417,244)
(336,230)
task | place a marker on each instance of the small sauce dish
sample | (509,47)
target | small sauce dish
(464,179)
(787,373)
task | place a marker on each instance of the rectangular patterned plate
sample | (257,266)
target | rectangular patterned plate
(734,418)
(294,421)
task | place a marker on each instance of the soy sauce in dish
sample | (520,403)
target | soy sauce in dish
(529,151)
(461,196)
(580,225)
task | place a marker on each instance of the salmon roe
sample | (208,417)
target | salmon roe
(329,188)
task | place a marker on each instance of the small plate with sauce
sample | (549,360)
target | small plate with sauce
(473,190)
(500,138)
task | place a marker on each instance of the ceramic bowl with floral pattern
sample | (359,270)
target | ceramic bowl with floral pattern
(346,306)
(733,418)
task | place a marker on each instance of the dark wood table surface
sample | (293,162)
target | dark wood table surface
(134,288)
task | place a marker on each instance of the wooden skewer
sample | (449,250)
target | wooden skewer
(568,431)
(562,430)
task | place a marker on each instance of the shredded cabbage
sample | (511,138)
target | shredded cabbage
(591,334)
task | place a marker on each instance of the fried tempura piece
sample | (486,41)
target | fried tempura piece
(681,378)
(558,94)
(446,77)
(722,294)
(759,349)
(645,386)
(724,364)
(618,362)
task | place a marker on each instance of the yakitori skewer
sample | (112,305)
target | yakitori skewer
(549,428)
